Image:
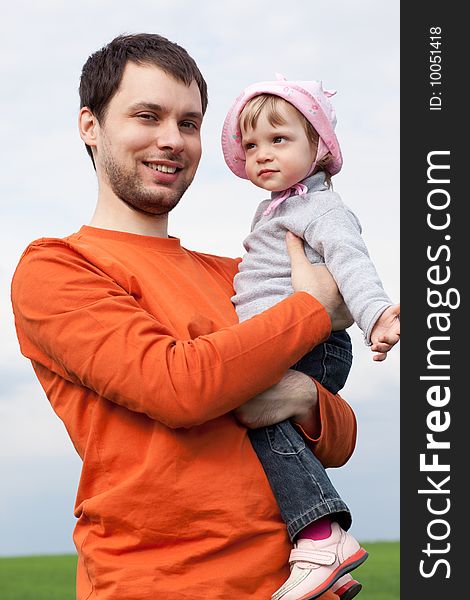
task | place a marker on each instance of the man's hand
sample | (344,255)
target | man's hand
(317,281)
(295,396)
(386,332)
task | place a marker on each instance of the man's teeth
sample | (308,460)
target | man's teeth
(162,168)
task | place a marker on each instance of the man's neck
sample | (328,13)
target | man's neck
(118,216)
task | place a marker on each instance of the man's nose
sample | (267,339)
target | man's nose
(169,137)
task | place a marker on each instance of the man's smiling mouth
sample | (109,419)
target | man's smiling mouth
(162,168)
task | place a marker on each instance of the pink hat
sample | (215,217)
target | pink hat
(308,97)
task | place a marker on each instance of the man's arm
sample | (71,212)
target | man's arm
(294,397)
(326,420)
(76,321)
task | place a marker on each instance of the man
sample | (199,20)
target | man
(137,346)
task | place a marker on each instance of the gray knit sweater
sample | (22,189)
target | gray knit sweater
(332,235)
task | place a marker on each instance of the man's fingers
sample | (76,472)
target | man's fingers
(295,248)
(317,281)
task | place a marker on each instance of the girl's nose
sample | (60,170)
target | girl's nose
(264,154)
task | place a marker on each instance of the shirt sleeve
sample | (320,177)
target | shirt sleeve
(76,321)
(338,430)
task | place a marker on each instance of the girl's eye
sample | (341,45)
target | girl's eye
(279,139)
(249,146)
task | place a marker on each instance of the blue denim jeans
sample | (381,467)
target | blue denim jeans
(302,488)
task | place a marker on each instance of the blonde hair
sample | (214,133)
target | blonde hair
(269,105)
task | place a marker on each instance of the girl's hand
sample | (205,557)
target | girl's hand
(386,332)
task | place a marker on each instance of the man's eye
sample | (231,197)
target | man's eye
(189,125)
(147,117)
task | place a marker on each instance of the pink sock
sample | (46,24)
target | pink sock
(318,530)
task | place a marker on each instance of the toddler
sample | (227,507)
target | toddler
(280,135)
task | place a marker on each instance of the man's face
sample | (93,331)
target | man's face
(148,146)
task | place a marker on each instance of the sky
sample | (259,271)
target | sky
(48,189)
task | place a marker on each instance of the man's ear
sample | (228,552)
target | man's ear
(88,126)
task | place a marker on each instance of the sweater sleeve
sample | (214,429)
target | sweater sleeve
(336,236)
(76,321)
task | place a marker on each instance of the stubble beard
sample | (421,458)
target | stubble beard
(128,187)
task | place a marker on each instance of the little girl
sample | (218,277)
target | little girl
(280,136)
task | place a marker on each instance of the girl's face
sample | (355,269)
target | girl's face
(278,156)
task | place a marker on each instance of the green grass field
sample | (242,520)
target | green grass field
(53,577)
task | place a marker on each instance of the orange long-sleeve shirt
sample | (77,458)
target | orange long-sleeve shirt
(137,346)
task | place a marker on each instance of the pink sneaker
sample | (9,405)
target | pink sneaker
(317,564)
(346,587)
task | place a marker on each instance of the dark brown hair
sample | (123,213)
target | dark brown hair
(102,72)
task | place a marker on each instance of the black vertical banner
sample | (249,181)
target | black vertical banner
(435,251)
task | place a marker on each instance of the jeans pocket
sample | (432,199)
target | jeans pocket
(284,439)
